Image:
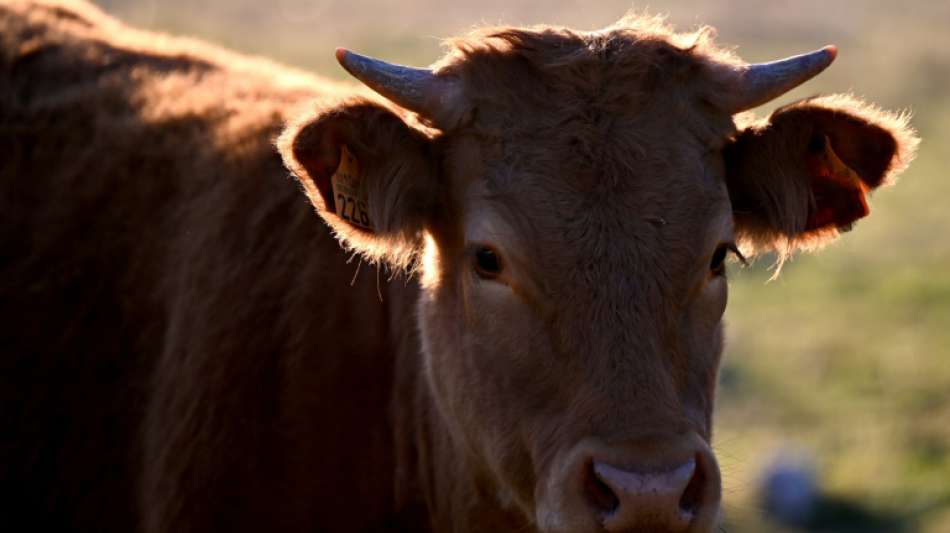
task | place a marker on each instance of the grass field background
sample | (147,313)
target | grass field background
(845,359)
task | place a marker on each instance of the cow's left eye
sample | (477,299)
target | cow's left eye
(487,263)
(717,265)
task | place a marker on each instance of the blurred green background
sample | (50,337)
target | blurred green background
(843,362)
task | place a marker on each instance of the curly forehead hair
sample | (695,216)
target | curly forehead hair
(636,43)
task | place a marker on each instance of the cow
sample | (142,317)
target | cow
(505,315)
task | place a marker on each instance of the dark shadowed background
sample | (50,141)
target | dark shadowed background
(834,406)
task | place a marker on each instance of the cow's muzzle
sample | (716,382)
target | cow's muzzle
(663,483)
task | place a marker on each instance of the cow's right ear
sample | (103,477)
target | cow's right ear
(369,175)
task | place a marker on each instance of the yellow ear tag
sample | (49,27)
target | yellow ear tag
(349,195)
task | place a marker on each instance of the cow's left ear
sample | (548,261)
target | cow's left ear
(800,177)
(370,175)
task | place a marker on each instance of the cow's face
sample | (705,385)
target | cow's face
(570,219)
(572,311)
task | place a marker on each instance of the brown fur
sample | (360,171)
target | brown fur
(170,304)
(183,349)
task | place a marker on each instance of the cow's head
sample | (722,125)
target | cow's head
(569,199)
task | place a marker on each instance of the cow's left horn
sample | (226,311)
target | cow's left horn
(435,98)
(761,82)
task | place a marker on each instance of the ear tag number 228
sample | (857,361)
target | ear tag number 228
(348,193)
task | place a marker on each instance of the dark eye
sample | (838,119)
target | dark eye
(487,262)
(717,265)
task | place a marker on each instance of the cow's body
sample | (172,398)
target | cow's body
(185,347)
(155,355)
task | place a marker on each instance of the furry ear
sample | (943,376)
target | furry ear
(800,177)
(369,175)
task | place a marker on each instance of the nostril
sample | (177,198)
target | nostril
(692,497)
(598,494)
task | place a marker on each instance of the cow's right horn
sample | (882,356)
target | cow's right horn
(761,82)
(437,99)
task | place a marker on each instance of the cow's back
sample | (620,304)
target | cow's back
(166,291)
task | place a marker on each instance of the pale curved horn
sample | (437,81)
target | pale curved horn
(416,89)
(761,82)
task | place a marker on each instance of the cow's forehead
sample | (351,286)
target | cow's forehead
(639,207)
(561,165)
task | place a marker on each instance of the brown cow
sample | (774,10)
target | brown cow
(187,348)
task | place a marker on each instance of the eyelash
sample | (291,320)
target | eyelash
(717,264)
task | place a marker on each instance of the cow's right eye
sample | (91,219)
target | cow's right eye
(487,263)
(718,263)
